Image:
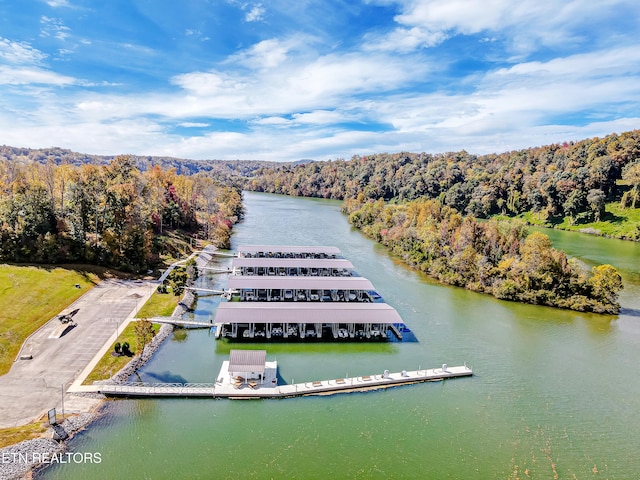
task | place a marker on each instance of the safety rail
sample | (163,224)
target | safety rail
(158,389)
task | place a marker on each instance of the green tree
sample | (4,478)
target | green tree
(144,333)
(606,283)
(574,204)
(596,199)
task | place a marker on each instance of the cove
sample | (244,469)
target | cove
(554,391)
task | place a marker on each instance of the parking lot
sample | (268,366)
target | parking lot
(34,386)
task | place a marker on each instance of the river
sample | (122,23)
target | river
(554,392)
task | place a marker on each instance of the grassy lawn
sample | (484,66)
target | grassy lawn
(13,435)
(617,222)
(31,296)
(159,305)
(109,364)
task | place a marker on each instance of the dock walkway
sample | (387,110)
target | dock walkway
(178,321)
(223,388)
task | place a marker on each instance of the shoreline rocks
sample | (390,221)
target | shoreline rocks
(16,461)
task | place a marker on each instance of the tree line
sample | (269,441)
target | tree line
(495,257)
(229,172)
(573,179)
(115,215)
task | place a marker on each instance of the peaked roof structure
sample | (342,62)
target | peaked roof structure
(247,361)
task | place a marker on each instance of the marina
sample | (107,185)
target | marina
(520,408)
(302,293)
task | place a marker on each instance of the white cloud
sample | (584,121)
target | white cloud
(19,52)
(256,13)
(267,54)
(58,3)
(404,40)
(53,27)
(524,24)
(193,124)
(274,121)
(32,75)
(319,117)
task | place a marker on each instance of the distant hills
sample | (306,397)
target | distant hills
(227,169)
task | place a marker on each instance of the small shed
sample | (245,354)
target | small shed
(247,364)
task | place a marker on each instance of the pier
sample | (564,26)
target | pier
(234,388)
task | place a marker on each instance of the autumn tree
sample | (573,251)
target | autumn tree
(144,333)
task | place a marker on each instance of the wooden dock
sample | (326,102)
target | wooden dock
(223,388)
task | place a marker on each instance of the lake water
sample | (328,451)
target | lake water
(554,392)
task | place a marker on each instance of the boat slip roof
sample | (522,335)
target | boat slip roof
(288,249)
(239,282)
(305,312)
(247,361)
(292,262)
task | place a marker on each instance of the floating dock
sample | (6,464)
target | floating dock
(233,388)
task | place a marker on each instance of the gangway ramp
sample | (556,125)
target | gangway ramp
(180,322)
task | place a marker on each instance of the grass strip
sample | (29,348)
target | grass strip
(13,435)
(159,305)
(110,364)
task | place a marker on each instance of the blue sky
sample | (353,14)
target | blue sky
(285,80)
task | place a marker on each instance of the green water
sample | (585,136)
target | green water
(554,392)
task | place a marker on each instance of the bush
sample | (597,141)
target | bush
(117,347)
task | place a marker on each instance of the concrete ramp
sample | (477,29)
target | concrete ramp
(62,330)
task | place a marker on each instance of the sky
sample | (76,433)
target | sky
(285,80)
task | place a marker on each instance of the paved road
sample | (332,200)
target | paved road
(34,386)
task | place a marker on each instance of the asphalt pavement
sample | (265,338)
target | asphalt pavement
(34,386)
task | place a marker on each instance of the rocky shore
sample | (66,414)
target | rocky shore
(16,461)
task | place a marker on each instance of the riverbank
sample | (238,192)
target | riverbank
(16,461)
(501,259)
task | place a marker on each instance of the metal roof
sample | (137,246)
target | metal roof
(238,282)
(292,262)
(305,312)
(247,361)
(288,249)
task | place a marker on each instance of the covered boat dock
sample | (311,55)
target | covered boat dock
(290,251)
(300,289)
(321,267)
(307,320)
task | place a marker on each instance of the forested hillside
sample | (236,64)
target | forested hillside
(499,258)
(114,214)
(570,179)
(230,172)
